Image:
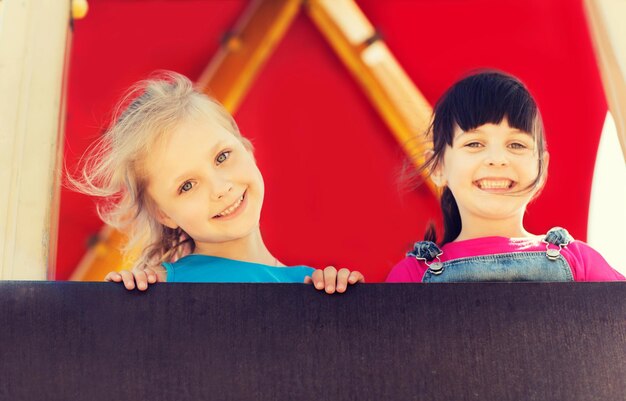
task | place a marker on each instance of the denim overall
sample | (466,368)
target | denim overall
(548,265)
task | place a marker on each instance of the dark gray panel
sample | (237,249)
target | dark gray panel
(490,341)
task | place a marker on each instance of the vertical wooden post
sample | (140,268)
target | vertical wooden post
(34,39)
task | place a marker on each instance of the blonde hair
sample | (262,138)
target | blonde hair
(111,167)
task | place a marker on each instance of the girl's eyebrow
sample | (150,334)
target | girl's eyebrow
(479,131)
(470,132)
(510,131)
(220,144)
(178,180)
(213,150)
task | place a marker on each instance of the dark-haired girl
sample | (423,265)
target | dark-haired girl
(489,158)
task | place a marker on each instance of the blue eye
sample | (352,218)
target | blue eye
(187,185)
(221,158)
(473,144)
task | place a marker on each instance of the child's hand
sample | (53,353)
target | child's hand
(330,279)
(138,277)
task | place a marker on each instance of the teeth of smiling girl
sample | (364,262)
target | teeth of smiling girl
(231,208)
(494,184)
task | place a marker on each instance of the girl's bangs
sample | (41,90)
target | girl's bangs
(477,105)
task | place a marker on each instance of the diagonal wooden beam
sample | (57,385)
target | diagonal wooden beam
(401,105)
(246,48)
(103,256)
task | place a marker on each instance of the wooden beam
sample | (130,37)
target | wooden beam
(103,256)
(401,105)
(246,48)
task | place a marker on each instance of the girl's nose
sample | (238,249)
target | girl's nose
(219,195)
(497,162)
(220,188)
(496,158)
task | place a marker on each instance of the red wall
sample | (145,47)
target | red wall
(330,164)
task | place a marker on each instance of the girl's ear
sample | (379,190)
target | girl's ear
(436,174)
(155,211)
(165,219)
(437,177)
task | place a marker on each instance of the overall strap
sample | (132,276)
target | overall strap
(427,251)
(557,237)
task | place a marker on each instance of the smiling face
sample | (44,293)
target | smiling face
(491,171)
(205,181)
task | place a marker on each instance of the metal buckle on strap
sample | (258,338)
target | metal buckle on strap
(436,267)
(551,253)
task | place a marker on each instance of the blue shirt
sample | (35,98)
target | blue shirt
(213,269)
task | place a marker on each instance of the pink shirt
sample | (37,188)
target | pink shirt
(585,263)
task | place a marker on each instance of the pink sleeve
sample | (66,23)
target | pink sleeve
(588,265)
(408,270)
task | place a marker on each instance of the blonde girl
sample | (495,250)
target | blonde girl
(175,173)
